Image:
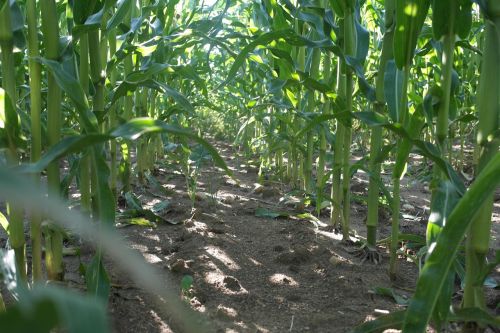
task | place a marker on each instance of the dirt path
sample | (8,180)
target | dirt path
(254,274)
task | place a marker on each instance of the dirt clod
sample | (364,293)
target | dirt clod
(231,283)
(180,266)
(297,257)
(225,313)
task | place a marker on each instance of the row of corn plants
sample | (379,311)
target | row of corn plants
(417,86)
(99,87)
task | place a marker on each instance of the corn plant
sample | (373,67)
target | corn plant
(296,85)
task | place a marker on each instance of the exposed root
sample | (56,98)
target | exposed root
(331,228)
(368,253)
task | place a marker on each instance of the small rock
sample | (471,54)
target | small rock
(335,261)
(258,189)
(231,182)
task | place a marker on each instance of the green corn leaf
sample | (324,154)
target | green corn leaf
(393,320)
(9,120)
(410,17)
(42,317)
(74,90)
(4,222)
(132,201)
(362,41)
(451,17)
(424,148)
(186,283)
(389,292)
(120,14)
(287,35)
(17,24)
(431,103)
(310,217)
(134,216)
(138,221)
(317,120)
(414,128)
(68,145)
(440,260)
(145,81)
(474,315)
(93,22)
(393,90)
(340,7)
(145,73)
(139,126)
(161,206)
(155,184)
(82,9)
(105,198)
(131,131)
(446,198)
(314,20)
(97,279)
(42,309)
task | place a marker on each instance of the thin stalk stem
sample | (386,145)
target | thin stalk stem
(54,239)
(349,49)
(15,213)
(394,228)
(84,170)
(113,119)
(478,237)
(397,174)
(376,132)
(311,106)
(336,213)
(35,80)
